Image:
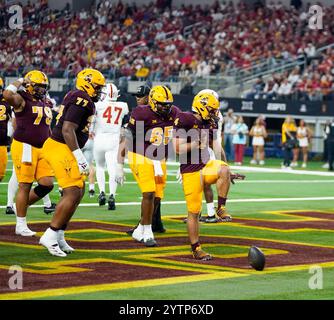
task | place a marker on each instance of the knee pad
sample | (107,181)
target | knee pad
(42,191)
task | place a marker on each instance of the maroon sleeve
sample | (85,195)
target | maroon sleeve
(75,114)
(137,114)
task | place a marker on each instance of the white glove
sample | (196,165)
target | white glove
(179,176)
(82,162)
(119,177)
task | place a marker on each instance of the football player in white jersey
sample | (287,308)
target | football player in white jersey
(110,114)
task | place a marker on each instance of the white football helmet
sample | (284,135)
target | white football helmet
(209,91)
(110,92)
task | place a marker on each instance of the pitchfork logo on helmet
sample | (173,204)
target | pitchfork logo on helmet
(37,84)
(160,100)
(92,82)
(206,105)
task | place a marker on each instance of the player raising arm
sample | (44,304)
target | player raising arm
(5,114)
(33,119)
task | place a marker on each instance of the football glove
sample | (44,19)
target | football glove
(119,177)
(82,162)
(237,176)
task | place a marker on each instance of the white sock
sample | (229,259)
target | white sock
(12,189)
(47,201)
(140,227)
(148,230)
(91,186)
(101,180)
(21,222)
(51,234)
(210,207)
(60,235)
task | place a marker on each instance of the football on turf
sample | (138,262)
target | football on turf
(256,258)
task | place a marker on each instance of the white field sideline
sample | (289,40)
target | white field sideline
(183,202)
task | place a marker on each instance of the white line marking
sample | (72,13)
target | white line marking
(240,181)
(183,202)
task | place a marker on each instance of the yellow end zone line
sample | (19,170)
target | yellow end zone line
(241,225)
(147,283)
(118,286)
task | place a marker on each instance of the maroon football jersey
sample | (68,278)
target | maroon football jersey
(187,126)
(5,114)
(78,108)
(33,122)
(151,132)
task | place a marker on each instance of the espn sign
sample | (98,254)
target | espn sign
(247,105)
(276,107)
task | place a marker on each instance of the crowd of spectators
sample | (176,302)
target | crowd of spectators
(315,82)
(148,41)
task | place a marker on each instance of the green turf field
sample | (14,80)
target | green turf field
(289,216)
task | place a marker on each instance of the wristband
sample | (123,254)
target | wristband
(12,88)
(78,155)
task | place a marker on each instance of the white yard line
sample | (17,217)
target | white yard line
(183,202)
(239,181)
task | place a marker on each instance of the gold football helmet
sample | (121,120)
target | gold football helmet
(37,84)
(160,100)
(91,81)
(206,105)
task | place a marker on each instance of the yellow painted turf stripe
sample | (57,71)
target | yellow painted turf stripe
(117,286)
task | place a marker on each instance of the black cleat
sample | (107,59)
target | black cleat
(51,209)
(91,193)
(102,199)
(159,229)
(61,192)
(111,203)
(130,232)
(150,243)
(10,210)
(208,219)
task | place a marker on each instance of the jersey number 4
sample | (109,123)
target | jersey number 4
(107,114)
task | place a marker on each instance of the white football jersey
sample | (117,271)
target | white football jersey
(109,116)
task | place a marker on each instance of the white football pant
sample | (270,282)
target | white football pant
(105,154)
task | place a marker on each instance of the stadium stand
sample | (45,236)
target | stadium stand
(141,42)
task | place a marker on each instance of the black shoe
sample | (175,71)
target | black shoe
(111,203)
(159,229)
(61,193)
(10,210)
(91,193)
(50,209)
(130,232)
(102,199)
(150,243)
(212,219)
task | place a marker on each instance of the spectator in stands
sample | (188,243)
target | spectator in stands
(285,90)
(229,120)
(259,133)
(270,90)
(257,89)
(304,135)
(289,141)
(239,131)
